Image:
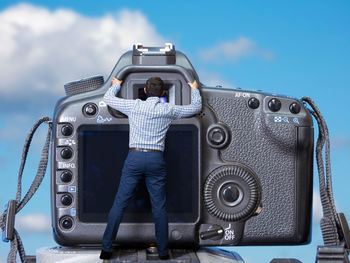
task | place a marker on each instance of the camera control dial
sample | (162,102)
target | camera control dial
(232,193)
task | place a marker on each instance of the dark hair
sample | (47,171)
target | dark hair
(154,87)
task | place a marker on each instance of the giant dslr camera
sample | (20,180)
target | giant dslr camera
(239,172)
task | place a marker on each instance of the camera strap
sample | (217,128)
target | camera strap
(7,219)
(334,227)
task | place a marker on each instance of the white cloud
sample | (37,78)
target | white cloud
(42,49)
(234,51)
(212,80)
(316,207)
(33,223)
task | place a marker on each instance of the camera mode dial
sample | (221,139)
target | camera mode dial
(232,193)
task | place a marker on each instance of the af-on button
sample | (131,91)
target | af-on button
(253,103)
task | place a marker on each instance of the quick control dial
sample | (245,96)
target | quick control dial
(232,193)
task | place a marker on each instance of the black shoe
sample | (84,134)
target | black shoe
(105,254)
(164,257)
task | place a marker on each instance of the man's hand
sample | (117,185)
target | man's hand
(193,85)
(115,80)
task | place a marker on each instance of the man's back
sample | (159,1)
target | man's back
(150,119)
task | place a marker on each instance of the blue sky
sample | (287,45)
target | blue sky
(294,48)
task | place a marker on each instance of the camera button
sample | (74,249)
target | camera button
(67,130)
(253,103)
(66,153)
(66,176)
(217,136)
(295,108)
(66,222)
(66,200)
(90,109)
(274,104)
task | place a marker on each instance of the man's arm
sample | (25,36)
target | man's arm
(191,109)
(114,102)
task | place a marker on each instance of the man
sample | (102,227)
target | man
(149,121)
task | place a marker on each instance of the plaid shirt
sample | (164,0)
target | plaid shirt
(149,120)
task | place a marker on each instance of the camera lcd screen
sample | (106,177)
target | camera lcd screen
(101,154)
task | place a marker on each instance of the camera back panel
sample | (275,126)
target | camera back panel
(249,175)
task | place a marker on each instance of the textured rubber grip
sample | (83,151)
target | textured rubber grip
(83,85)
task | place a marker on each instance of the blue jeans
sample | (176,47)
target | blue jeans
(152,166)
